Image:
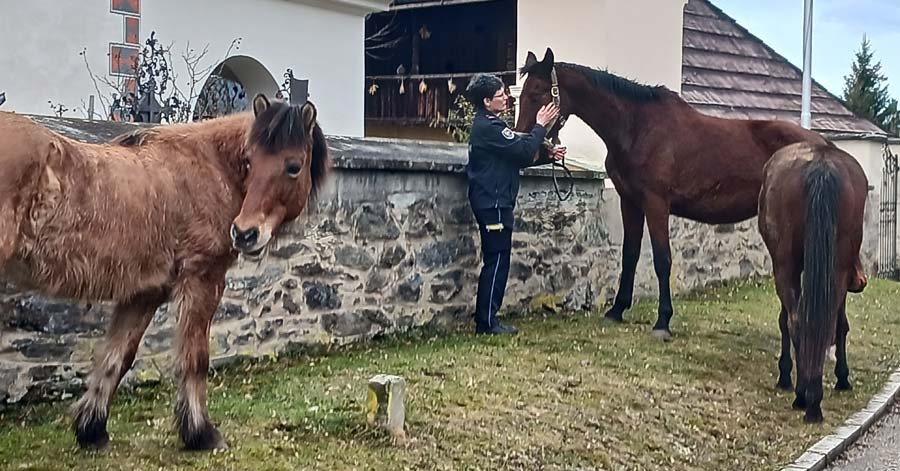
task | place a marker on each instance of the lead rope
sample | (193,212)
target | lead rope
(554,93)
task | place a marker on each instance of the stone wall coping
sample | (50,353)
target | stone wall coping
(351,153)
(828,449)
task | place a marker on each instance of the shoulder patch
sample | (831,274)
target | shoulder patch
(508,133)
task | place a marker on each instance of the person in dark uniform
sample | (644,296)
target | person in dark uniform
(496,154)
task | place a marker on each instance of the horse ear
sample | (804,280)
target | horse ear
(548,59)
(260,104)
(309,114)
(530,60)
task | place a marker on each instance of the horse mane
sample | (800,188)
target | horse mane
(136,138)
(318,168)
(277,128)
(620,86)
(280,126)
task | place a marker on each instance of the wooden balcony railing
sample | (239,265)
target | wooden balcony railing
(423,99)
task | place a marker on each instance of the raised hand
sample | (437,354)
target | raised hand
(547,113)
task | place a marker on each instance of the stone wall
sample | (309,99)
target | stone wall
(390,245)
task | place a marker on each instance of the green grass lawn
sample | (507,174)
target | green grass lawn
(568,393)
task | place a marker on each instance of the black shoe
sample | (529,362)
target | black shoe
(498,329)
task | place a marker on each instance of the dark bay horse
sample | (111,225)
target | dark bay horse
(811,218)
(157,215)
(664,157)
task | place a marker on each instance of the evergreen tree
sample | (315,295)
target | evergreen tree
(892,116)
(865,94)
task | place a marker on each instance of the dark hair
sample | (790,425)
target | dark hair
(482,86)
(278,127)
(281,126)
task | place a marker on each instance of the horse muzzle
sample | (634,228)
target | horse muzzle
(248,242)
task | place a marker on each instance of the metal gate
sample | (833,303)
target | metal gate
(887,228)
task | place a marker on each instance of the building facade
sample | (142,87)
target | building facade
(59,53)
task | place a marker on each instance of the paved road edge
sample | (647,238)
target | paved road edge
(824,452)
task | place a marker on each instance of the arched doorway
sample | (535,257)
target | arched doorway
(232,85)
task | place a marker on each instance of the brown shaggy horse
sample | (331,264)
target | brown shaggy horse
(157,215)
(664,157)
(811,217)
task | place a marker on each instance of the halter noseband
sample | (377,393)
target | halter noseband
(561,120)
(554,93)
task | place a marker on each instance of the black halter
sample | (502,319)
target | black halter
(561,120)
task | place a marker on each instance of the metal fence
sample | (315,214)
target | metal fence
(887,230)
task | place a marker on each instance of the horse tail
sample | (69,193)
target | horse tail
(817,313)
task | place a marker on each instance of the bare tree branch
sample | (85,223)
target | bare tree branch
(100,95)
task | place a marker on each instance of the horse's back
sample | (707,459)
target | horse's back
(797,159)
(783,196)
(21,139)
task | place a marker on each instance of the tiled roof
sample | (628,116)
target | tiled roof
(729,72)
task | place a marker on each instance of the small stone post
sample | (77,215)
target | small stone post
(385,403)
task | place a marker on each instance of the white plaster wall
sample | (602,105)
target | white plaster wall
(321,45)
(39,45)
(637,39)
(870,155)
(322,41)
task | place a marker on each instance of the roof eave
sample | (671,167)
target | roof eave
(861,136)
(359,7)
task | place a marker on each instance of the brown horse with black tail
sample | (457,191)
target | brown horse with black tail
(664,157)
(811,218)
(157,215)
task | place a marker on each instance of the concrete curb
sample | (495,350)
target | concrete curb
(824,452)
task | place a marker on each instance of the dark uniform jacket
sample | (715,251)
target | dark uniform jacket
(496,154)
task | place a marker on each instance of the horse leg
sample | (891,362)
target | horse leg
(198,298)
(633,224)
(841,370)
(9,231)
(786,281)
(784,361)
(129,322)
(658,225)
(800,402)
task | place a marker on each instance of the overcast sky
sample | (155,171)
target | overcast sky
(838,28)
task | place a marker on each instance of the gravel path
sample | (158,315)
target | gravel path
(877,450)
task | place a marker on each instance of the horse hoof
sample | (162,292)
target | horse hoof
(209,439)
(661,334)
(813,417)
(785,386)
(91,434)
(843,386)
(799,404)
(97,442)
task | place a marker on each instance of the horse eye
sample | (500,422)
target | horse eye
(246,164)
(293,170)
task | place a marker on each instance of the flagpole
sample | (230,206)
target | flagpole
(805,114)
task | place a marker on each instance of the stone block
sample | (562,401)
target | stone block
(391,256)
(376,281)
(443,253)
(230,311)
(410,290)
(385,404)
(288,250)
(39,314)
(347,324)
(372,222)
(353,257)
(811,460)
(321,296)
